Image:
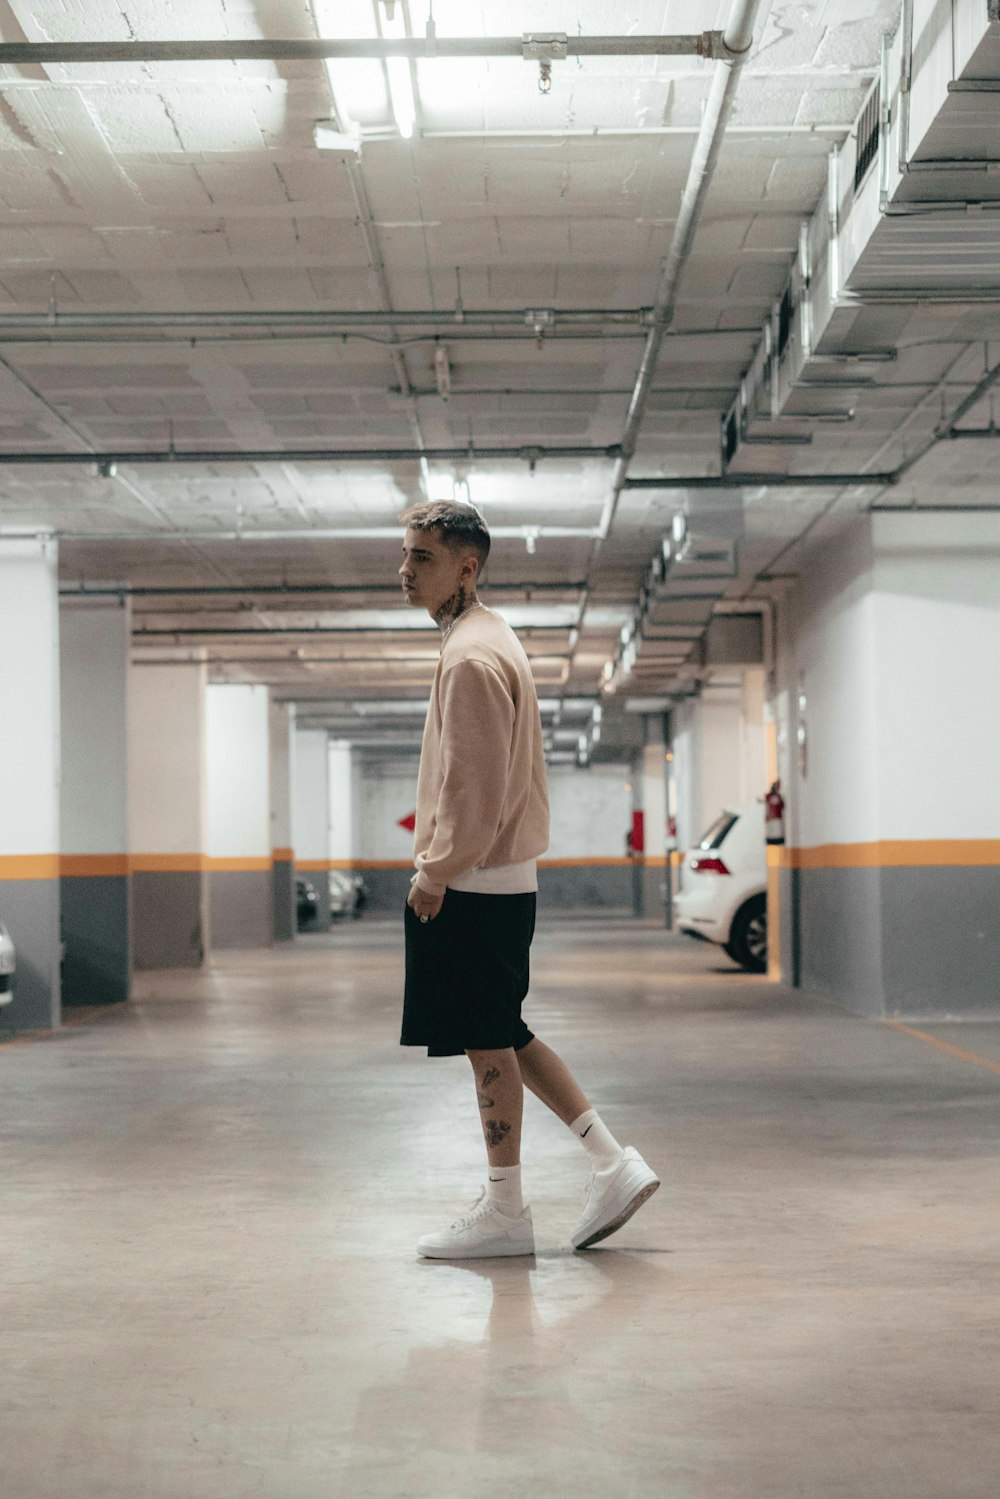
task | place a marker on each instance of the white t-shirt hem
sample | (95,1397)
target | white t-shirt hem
(502,879)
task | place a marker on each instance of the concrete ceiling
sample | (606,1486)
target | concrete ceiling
(133,194)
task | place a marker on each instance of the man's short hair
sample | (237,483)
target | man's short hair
(461,527)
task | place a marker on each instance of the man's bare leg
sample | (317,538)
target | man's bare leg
(499,1224)
(546,1075)
(620,1181)
(501,1103)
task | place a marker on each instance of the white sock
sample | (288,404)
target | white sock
(597,1140)
(504,1188)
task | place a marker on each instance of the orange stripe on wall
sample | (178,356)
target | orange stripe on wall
(167,863)
(29,866)
(238,866)
(93,864)
(891,853)
(283,855)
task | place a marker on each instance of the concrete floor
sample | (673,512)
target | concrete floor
(210,1202)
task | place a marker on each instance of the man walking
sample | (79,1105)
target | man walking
(482,821)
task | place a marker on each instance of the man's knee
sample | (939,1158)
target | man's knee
(489,1058)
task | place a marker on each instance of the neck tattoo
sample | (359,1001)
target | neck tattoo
(452,623)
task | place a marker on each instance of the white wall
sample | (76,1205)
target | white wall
(94,669)
(342,812)
(167,759)
(237,755)
(29,696)
(383,794)
(591,811)
(719,759)
(936,627)
(894,636)
(311,797)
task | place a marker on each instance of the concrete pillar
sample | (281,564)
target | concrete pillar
(342,851)
(282,733)
(29,776)
(167,828)
(654,809)
(95,637)
(889,717)
(238,791)
(311,815)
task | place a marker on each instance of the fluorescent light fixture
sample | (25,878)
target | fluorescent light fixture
(397,70)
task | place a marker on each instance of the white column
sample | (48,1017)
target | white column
(653,779)
(282,733)
(342,820)
(167,831)
(29,777)
(238,790)
(95,638)
(888,687)
(311,815)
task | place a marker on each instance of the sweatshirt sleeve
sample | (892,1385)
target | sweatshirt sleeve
(477,725)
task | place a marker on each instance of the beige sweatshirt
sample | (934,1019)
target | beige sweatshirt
(481,793)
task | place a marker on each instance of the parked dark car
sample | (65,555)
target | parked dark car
(306,903)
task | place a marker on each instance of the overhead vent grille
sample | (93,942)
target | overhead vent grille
(869,124)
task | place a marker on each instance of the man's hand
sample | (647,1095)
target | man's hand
(423,905)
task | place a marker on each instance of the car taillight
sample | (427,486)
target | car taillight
(713,865)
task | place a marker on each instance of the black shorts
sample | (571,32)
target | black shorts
(467,974)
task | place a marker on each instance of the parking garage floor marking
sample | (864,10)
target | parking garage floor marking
(946,1046)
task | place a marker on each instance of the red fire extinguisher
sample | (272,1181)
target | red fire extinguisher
(774,814)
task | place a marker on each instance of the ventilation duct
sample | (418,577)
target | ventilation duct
(912,211)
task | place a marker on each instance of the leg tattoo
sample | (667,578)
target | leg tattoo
(490,1077)
(496,1130)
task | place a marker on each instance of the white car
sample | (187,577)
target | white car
(8,965)
(347,893)
(724,894)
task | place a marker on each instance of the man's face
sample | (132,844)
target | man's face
(431,574)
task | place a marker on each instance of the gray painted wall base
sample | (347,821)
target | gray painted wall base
(168,920)
(97,968)
(922,943)
(596,887)
(283,901)
(30,911)
(241,903)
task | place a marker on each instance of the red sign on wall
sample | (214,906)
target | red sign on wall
(408,822)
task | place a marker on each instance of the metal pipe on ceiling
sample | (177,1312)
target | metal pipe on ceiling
(445,319)
(737,37)
(531,47)
(527,453)
(775,481)
(127,590)
(318,631)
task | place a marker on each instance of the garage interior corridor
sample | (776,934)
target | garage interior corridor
(212,1197)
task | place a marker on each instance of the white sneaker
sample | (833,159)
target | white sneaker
(612,1197)
(484,1232)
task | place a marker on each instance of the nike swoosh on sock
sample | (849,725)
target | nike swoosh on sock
(586,1132)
